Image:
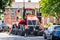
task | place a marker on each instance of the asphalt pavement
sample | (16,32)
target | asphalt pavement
(5,36)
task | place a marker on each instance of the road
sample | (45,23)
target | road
(5,36)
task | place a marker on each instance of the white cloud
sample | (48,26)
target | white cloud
(27,0)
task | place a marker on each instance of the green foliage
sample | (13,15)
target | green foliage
(50,7)
(0,17)
(4,3)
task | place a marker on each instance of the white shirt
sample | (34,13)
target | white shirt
(48,20)
(43,20)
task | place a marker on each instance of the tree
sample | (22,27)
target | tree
(5,3)
(50,7)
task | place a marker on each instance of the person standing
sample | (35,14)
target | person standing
(43,20)
(48,20)
(54,20)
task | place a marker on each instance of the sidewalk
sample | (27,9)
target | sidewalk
(5,34)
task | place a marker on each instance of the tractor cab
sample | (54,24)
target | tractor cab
(32,21)
(30,24)
(28,10)
(33,25)
(33,12)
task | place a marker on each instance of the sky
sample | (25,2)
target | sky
(27,0)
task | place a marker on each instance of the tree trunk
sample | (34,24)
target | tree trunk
(59,20)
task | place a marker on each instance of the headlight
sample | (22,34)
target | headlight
(34,29)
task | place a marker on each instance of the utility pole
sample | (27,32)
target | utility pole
(23,9)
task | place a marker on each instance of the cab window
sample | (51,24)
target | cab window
(33,22)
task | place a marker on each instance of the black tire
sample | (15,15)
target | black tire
(39,33)
(23,33)
(53,37)
(45,37)
(13,32)
(35,33)
(19,32)
(48,39)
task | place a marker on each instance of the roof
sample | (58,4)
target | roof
(30,18)
(27,5)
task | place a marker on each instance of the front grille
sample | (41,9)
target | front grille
(31,28)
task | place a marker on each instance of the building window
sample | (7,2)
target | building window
(6,11)
(12,12)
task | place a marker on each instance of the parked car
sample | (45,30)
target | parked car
(4,27)
(56,33)
(52,32)
(0,28)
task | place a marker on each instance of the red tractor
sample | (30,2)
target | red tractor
(28,26)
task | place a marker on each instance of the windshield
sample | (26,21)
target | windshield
(57,27)
(51,28)
(33,22)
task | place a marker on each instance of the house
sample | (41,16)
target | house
(11,13)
